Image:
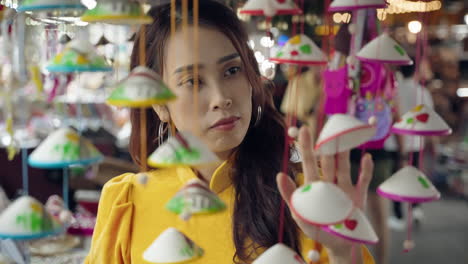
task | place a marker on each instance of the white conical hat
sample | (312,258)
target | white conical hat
(45,5)
(384,49)
(356,229)
(342,133)
(142,88)
(346,5)
(172,247)
(279,254)
(182,149)
(408,185)
(301,50)
(78,56)
(63,148)
(121,12)
(321,203)
(423,121)
(26,218)
(270,8)
(195,198)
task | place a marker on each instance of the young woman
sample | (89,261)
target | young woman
(237,121)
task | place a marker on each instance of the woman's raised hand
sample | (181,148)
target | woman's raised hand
(338,248)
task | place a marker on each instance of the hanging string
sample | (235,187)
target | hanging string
(65,187)
(302,16)
(196,46)
(24,170)
(173,31)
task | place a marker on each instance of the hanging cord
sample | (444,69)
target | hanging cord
(143,118)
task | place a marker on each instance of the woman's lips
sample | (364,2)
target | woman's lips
(226,124)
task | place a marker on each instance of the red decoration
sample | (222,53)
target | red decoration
(294,53)
(422,117)
(281,1)
(350,224)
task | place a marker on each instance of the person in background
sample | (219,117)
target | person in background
(410,94)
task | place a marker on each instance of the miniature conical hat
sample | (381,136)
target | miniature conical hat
(408,185)
(423,121)
(321,203)
(63,148)
(346,5)
(142,88)
(356,229)
(270,8)
(45,5)
(117,12)
(172,247)
(342,133)
(279,254)
(195,198)
(78,56)
(182,149)
(384,49)
(26,218)
(301,50)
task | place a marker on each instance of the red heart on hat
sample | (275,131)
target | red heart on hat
(294,53)
(281,1)
(422,117)
(350,224)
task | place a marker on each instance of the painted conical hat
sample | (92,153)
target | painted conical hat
(300,50)
(142,88)
(408,185)
(182,149)
(270,8)
(356,229)
(63,148)
(117,12)
(195,198)
(342,133)
(423,121)
(321,203)
(78,56)
(385,50)
(46,5)
(26,218)
(347,5)
(172,247)
(279,254)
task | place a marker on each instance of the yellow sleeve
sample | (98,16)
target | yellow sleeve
(111,237)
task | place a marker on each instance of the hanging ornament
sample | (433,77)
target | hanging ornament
(182,149)
(120,12)
(279,254)
(375,110)
(50,5)
(195,198)
(270,8)
(26,219)
(142,88)
(337,91)
(349,5)
(321,203)
(63,148)
(172,247)
(78,56)
(409,185)
(384,49)
(300,50)
(342,133)
(423,121)
(356,228)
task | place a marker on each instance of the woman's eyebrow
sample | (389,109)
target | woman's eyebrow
(188,68)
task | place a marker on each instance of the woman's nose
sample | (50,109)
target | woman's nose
(221,99)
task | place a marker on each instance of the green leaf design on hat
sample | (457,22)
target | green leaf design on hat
(424,182)
(400,50)
(279,54)
(410,120)
(306,188)
(306,49)
(338,226)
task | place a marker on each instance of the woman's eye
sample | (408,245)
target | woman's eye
(189,82)
(232,71)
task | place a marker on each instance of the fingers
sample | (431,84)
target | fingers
(367,169)
(327,164)
(309,162)
(344,170)
(286,186)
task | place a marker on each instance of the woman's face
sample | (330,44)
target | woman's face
(224,95)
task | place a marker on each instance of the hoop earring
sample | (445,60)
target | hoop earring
(160,134)
(259,116)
